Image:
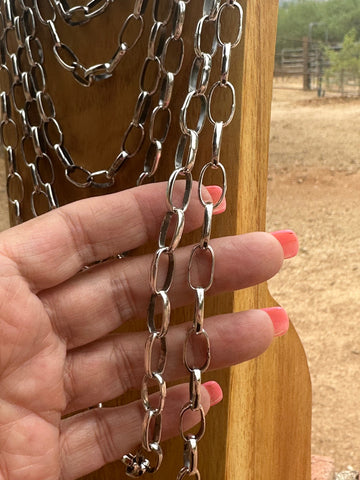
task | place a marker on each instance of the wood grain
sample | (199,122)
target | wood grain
(262,428)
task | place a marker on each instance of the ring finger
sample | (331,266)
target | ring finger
(115,364)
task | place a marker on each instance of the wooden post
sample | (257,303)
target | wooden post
(306,65)
(261,431)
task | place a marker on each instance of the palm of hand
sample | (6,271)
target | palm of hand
(32,384)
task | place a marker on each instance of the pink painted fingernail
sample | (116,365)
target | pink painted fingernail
(288,241)
(279,319)
(214,391)
(215,193)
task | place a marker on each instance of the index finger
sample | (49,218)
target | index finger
(53,247)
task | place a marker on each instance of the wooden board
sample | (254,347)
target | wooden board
(262,429)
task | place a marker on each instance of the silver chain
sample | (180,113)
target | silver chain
(81,14)
(24,90)
(197,336)
(45,133)
(202,253)
(78,15)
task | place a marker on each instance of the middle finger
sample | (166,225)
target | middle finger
(100,300)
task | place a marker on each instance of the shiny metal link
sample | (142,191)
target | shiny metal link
(64,156)
(140,7)
(224,86)
(225,63)
(118,163)
(189,141)
(152,340)
(199,254)
(44,169)
(193,96)
(180,55)
(152,160)
(80,14)
(100,179)
(178,228)
(235,8)
(195,388)
(156,113)
(216,143)
(152,426)
(5,107)
(157,10)
(78,176)
(166,89)
(179,19)
(200,74)
(34,177)
(221,168)
(15,188)
(198,321)
(51,196)
(196,341)
(184,472)
(165,315)
(131,20)
(199,37)
(191,456)
(141,109)
(187,189)
(155,267)
(188,410)
(206,227)
(211,9)
(156,40)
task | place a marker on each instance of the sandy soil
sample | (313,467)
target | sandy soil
(314,179)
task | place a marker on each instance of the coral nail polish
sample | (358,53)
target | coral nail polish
(288,241)
(215,392)
(279,319)
(215,193)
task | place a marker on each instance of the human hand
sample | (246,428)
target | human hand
(56,352)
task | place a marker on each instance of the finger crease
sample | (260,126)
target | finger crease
(104,438)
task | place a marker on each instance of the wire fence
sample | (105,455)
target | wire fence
(308,67)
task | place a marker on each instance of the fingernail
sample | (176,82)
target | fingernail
(288,241)
(215,192)
(214,391)
(279,319)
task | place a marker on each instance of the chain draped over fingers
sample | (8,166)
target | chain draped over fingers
(88,231)
(118,292)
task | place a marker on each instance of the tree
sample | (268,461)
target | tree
(337,16)
(346,62)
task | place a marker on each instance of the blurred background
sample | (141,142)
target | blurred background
(314,189)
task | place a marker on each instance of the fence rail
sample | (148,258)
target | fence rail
(310,63)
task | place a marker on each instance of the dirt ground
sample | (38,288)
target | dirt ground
(314,185)
(314,180)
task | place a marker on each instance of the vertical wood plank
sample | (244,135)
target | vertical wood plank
(269,425)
